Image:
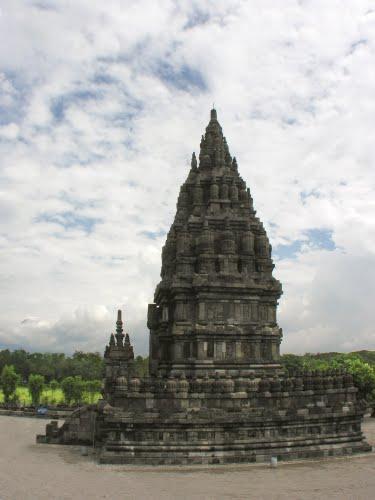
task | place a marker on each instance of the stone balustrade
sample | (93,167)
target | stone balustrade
(298,382)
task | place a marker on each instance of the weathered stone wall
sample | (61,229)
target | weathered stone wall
(79,428)
(221,420)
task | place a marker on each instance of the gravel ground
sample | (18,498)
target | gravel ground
(37,471)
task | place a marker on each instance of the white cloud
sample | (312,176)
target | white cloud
(9,131)
(101,107)
(330,304)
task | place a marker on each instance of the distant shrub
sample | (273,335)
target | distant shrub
(72,388)
(92,387)
(36,385)
(9,380)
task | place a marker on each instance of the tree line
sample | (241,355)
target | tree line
(82,373)
(46,376)
(360,364)
(57,366)
(73,389)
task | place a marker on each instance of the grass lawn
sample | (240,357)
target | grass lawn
(49,396)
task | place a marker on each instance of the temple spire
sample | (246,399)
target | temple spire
(119,330)
(214,150)
(213,114)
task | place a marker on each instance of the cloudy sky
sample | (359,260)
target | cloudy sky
(101,106)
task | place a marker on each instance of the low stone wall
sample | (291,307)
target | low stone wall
(181,394)
(79,428)
(32,413)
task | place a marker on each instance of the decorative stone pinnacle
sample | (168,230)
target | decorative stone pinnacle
(119,330)
(213,114)
(119,322)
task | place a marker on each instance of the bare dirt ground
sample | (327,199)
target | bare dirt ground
(38,472)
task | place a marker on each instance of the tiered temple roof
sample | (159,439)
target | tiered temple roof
(215,307)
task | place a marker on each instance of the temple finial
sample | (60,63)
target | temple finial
(213,114)
(119,331)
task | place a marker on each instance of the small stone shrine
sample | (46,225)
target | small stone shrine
(216,391)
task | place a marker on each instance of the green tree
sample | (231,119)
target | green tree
(88,365)
(315,363)
(78,389)
(54,385)
(9,380)
(93,387)
(141,366)
(67,386)
(5,358)
(363,374)
(72,388)
(36,385)
(21,363)
(291,361)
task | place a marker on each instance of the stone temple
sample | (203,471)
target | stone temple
(216,392)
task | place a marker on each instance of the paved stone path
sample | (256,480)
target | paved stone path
(36,472)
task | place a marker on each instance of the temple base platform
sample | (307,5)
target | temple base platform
(221,424)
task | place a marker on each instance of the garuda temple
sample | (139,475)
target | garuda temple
(216,392)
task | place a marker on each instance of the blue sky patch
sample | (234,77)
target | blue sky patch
(321,238)
(14,109)
(103,79)
(60,104)
(182,78)
(70,220)
(287,251)
(307,194)
(356,45)
(68,159)
(197,18)
(45,5)
(153,235)
(289,120)
(314,239)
